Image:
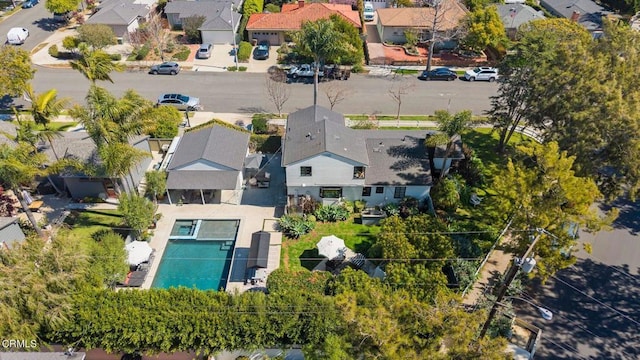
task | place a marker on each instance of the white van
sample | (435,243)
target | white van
(368,13)
(17,36)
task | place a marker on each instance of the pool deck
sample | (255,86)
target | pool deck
(252,219)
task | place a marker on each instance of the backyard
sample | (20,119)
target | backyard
(81,225)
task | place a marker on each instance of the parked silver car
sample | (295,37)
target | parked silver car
(204,52)
(180,102)
(169,67)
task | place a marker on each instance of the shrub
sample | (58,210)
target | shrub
(259,123)
(391,209)
(244,51)
(115,57)
(242,68)
(96,35)
(295,226)
(445,195)
(272,8)
(232,68)
(332,213)
(53,51)
(409,206)
(349,206)
(359,205)
(268,144)
(312,218)
(183,54)
(142,52)
(70,43)
(357,68)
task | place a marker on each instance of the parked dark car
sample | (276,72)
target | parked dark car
(169,67)
(29,4)
(261,52)
(439,74)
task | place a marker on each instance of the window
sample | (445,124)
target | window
(379,190)
(305,170)
(358,172)
(366,191)
(399,192)
(331,193)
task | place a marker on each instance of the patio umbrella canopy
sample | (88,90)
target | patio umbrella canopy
(139,252)
(331,247)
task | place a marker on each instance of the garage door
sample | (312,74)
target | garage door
(216,37)
(272,37)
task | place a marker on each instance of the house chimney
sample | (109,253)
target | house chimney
(575,16)
(300,4)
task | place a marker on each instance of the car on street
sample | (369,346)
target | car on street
(204,52)
(180,101)
(168,67)
(29,4)
(17,36)
(439,74)
(483,73)
(261,52)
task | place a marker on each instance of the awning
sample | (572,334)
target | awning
(259,250)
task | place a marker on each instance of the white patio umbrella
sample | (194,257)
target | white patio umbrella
(331,247)
(139,252)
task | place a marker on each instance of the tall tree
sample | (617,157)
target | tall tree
(19,166)
(439,24)
(16,70)
(320,40)
(137,212)
(484,28)
(97,36)
(44,108)
(62,6)
(95,64)
(450,127)
(117,159)
(541,190)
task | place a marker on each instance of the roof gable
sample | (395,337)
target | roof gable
(316,130)
(118,12)
(422,17)
(292,16)
(216,144)
(514,15)
(217,13)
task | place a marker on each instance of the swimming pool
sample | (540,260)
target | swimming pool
(198,255)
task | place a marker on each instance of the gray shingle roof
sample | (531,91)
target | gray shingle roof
(590,12)
(217,13)
(397,158)
(514,15)
(316,130)
(6,221)
(217,144)
(118,12)
(202,179)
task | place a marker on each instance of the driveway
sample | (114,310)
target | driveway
(596,302)
(222,58)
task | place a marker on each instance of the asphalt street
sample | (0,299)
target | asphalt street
(38,20)
(246,92)
(596,302)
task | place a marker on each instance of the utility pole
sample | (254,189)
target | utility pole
(527,265)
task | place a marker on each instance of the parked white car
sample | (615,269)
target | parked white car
(369,13)
(482,73)
(17,36)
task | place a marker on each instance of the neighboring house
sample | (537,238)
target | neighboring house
(392,22)
(329,162)
(585,12)
(207,165)
(10,232)
(217,27)
(122,16)
(275,27)
(514,15)
(79,146)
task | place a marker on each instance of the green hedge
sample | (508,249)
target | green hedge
(268,144)
(53,50)
(115,57)
(244,51)
(183,54)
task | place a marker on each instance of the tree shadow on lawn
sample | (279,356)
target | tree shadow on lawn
(310,258)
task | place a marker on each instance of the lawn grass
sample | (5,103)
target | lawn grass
(302,253)
(83,224)
(406,71)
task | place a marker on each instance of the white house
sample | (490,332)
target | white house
(328,161)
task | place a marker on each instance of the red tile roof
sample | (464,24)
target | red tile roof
(292,16)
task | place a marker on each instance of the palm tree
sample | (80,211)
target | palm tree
(450,126)
(117,160)
(19,166)
(44,108)
(95,64)
(319,40)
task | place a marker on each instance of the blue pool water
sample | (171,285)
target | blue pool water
(199,258)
